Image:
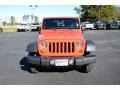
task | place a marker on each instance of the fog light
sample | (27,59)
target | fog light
(52,62)
(81,51)
(71,62)
(41,51)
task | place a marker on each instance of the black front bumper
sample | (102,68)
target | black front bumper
(45,61)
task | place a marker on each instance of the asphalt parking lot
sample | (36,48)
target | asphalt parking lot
(14,71)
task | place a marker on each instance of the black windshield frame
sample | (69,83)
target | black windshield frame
(61,23)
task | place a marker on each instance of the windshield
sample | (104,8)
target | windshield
(61,23)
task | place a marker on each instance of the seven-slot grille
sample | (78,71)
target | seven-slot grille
(61,47)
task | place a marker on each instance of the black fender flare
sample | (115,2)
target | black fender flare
(32,47)
(91,46)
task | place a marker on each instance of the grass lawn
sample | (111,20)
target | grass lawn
(9,28)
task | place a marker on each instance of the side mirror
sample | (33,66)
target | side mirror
(39,30)
(82,29)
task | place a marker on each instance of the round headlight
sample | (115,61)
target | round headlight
(79,44)
(43,44)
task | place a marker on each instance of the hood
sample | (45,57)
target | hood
(61,35)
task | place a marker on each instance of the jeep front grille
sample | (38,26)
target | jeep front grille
(61,47)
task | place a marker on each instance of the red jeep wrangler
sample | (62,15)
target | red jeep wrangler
(61,44)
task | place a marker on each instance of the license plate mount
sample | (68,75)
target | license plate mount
(61,62)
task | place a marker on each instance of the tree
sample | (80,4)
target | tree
(12,20)
(4,23)
(36,19)
(30,19)
(97,12)
(118,13)
(108,13)
(25,18)
(78,10)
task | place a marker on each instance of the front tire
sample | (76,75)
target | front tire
(32,67)
(31,53)
(87,68)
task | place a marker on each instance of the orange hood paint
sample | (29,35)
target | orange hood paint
(61,35)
